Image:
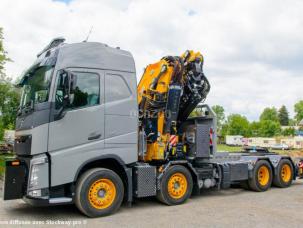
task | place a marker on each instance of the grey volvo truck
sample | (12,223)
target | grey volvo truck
(78,139)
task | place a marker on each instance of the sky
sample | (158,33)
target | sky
(253,49)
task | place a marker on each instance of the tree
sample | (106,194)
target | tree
(290,131)
(255,128)
(299,111)
(219,110)
(283,116)
(9,106)
(1,128)
(269,128)
(269,114)
(9,96)
(292,122)
(238,125)
(224,130)
(3,57)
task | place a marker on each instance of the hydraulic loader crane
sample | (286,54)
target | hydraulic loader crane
(78,140)
(168,92)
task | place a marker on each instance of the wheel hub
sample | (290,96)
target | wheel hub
(177,185)
(286,173)
(263,175)
(102,193)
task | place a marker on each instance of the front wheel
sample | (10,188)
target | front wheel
(176,186)
(99,192)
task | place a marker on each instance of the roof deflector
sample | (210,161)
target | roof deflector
(54,43)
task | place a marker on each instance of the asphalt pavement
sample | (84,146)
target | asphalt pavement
(234,207)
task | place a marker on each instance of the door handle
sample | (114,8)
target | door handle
(94,137)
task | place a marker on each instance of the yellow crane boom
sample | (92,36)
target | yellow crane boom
(168,91)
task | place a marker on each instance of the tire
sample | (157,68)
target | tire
(262,177)
(99,181)
(284,175)
(176,186)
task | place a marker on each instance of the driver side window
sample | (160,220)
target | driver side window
(86,92)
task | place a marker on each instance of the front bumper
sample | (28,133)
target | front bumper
(36,201)
(39,202)
(17,184)
(26,176)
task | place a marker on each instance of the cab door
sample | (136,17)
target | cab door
(79,134)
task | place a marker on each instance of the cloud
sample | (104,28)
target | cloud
(253,49)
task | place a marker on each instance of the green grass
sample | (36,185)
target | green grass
(225,148)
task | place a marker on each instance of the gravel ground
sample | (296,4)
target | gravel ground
(229,208)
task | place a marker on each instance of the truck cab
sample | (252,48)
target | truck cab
(79,105)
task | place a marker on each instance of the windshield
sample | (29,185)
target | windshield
(36,86)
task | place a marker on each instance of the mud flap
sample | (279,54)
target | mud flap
(14,182)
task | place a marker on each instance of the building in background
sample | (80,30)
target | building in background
(262,142)
(293,142)
(283,143)
(234,140)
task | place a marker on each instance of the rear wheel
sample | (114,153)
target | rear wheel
(284,176)
(99,192)
(262,177)
(176,186)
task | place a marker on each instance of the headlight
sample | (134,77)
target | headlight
(38,173)
(34,178)
(35,193)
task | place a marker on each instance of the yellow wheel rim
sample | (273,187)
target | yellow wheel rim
(286,173)
(177,186)
(263,175)
(102,193)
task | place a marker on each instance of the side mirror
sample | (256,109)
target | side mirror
(67,83)
(66,86)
